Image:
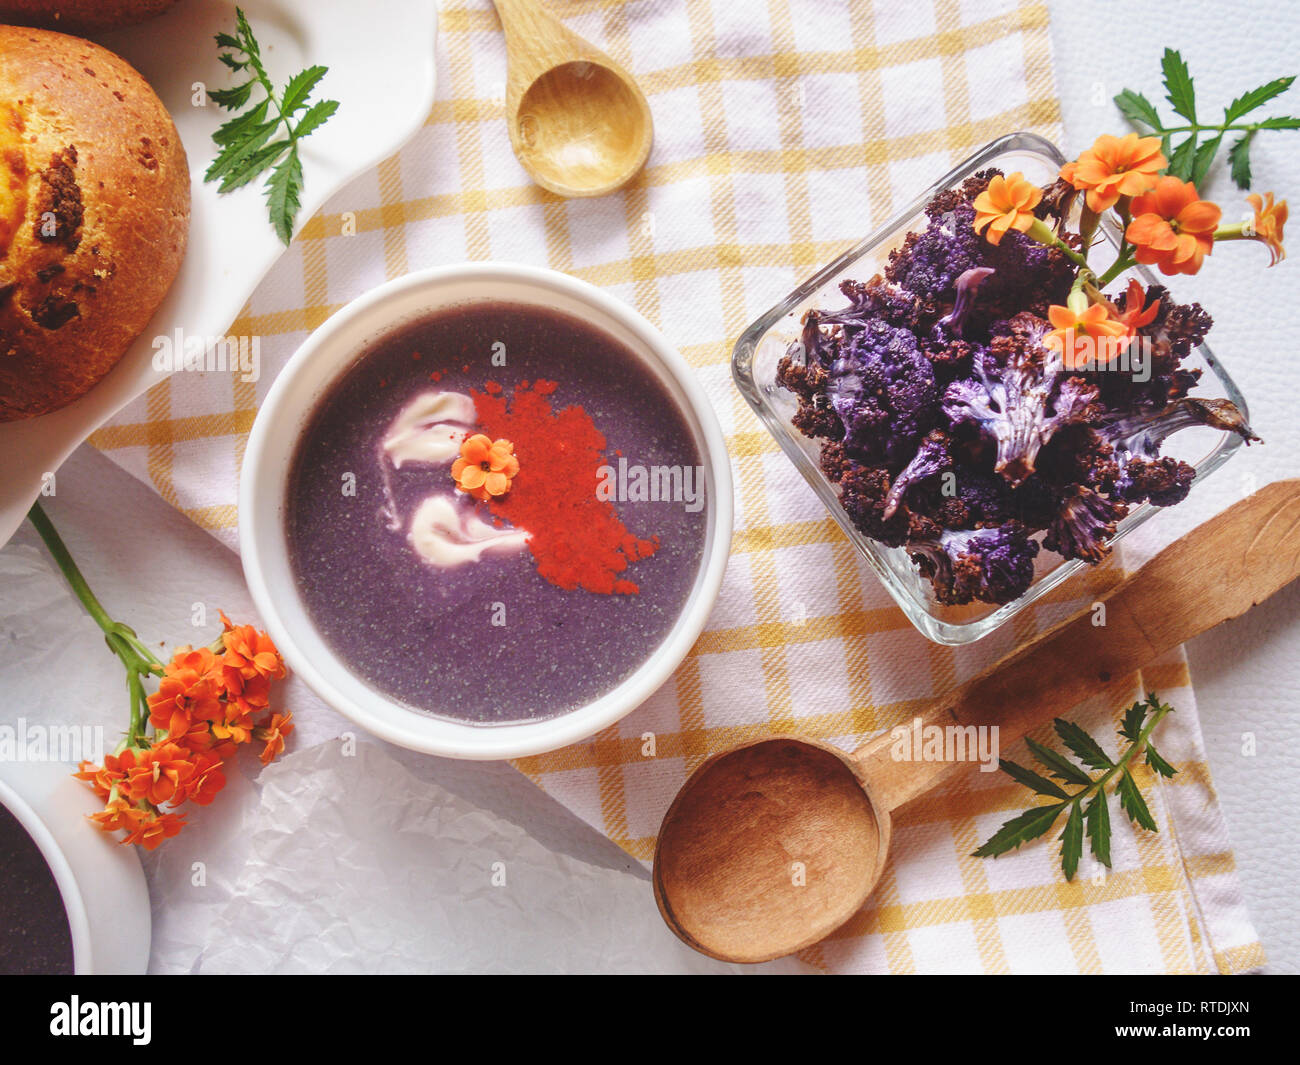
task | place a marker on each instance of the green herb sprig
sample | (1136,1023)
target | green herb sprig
(1190,160)
(266,136)
(1081,795)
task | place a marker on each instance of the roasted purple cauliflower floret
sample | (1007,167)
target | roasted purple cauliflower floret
(884,391)
(1084,524)
(933,456)
(993,565)
(1019,396)
(1126,459)
(930,262)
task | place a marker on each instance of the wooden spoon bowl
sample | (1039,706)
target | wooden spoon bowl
(783,811)
(578,121)
(771,846)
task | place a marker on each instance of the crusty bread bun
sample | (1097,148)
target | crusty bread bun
(80,16)
(94,213)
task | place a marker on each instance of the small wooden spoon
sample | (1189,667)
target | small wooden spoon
(771,846)
(579,123)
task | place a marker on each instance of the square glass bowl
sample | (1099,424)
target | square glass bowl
(761,347)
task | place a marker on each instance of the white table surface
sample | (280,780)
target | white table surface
(148,564)
(1247,673)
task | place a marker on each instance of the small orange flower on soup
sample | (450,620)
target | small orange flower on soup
(485,467)
(1115,167)
(1172,227)
(1007,203)
(1085,340)
(1268,223)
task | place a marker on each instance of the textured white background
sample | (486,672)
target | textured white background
(1247,673)
(149,564)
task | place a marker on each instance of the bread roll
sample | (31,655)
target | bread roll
(80,16)
(94,213)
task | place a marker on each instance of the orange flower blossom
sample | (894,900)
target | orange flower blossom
(273,734)
(1268,223)
(485,467)
(1173,228)
(1115,167)
(1134,316)
(1007,203)
(1085,339)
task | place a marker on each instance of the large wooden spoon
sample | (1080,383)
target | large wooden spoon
(579,123)
(771,846)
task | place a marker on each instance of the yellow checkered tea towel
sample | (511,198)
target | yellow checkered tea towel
(785,131)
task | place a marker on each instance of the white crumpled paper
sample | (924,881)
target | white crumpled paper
(357,866)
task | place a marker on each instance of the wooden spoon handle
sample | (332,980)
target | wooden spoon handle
(1216,572)
(536,41)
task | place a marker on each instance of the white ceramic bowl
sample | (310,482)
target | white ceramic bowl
(103,887)
(309,374)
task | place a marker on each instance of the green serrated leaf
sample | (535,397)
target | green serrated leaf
(1083,746)
(1058,765)
(245,32)
(1159,764)
(315,117)
(241,126)
(1239,157)
(1020,829)
(283,190)
(1097,817)
(1072,842)
(1280,122)
(1248,101)
(1138,109)
(1133,718)
(1132,803)
(253,166)
(1184,157)
(1204,157)
(1031,780)
(233,63)
(230,99)
(231,160)
(1178,85)
(299,88)
(225,40)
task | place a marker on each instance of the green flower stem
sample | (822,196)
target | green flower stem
(138,660)
(1122,262)
(1078,298)
(1042,232)
(1239,231)
(1252,127)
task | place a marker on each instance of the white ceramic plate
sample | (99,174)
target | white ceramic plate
(381,70)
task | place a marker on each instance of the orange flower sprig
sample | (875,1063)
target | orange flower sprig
(1162,222)
(209,702)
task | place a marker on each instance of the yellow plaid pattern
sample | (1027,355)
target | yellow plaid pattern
(785,130)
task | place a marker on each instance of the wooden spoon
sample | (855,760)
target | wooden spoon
(771,846)
(579,123)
